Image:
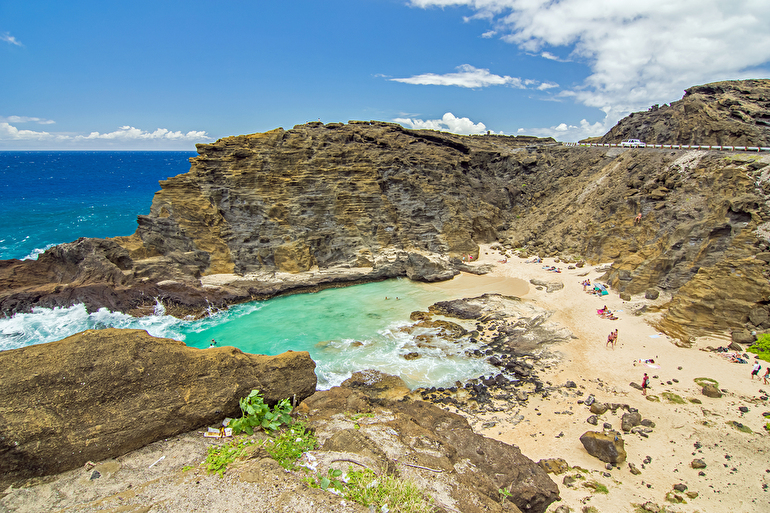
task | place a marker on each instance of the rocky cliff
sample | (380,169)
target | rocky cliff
(321,205)
(734,113)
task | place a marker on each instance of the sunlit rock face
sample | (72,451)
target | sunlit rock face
(323,205)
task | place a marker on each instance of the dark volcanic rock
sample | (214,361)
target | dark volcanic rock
(733,113)
(711,390)
(607,446)
(102,393)
(630,420)
(467,469)
(325,205)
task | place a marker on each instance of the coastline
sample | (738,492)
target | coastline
(737,474)
(545,425)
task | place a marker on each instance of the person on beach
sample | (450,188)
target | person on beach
(645,383)
(614,338)
(586,283)
(611,339)
(767,374)
(755,370)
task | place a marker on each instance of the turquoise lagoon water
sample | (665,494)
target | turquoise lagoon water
(48,198)
(344,329)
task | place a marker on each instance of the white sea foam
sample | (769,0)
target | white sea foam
(440,363)
(49,324)
(35,253)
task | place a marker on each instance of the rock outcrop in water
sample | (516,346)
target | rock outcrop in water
(102,393)
(325,205)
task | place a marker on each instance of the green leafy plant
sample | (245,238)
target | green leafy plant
(287,447)
(385,493)
(220,456)
(761,347)
(257,414)
(504,494)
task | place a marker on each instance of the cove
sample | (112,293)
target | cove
(344,329)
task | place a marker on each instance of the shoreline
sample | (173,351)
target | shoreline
(737,475)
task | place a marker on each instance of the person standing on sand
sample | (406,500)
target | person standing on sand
(645,383)
(767,374)
(610,341)
(614,338)
(755,370)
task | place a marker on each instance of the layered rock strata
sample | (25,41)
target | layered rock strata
(326,205)
(734,113)
(103,393)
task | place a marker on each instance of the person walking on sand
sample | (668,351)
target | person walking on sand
(645,383)
(755,370)
(610,341)
(614,338)
(767,374)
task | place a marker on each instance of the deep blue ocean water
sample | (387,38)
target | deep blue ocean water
(51,197)
(48,198)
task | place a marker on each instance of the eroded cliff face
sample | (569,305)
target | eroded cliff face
(731,113)
(320,196)
(321,205)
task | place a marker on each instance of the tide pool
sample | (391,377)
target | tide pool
(344,330)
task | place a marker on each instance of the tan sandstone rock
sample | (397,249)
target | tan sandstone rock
(102,393)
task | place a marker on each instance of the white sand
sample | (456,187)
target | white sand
(586,359)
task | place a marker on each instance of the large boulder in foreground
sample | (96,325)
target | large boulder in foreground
(102,393)
(608,446)
(434,448)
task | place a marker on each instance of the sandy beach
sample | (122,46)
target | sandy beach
(737,470)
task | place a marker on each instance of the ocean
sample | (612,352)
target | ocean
(48,198)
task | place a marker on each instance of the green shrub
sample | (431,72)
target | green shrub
(761,347)
(257,414)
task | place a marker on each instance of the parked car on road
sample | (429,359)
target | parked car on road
(632,143)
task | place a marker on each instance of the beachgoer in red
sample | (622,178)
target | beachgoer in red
(645,383)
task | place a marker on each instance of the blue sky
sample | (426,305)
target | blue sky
(166,74)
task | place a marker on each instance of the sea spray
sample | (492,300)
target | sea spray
(345,330)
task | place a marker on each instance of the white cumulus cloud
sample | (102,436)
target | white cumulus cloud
(126,137)
(637,53)
(448,123)
(9,132)
(466,76)
(472,78)
(127,133)
(570,133)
